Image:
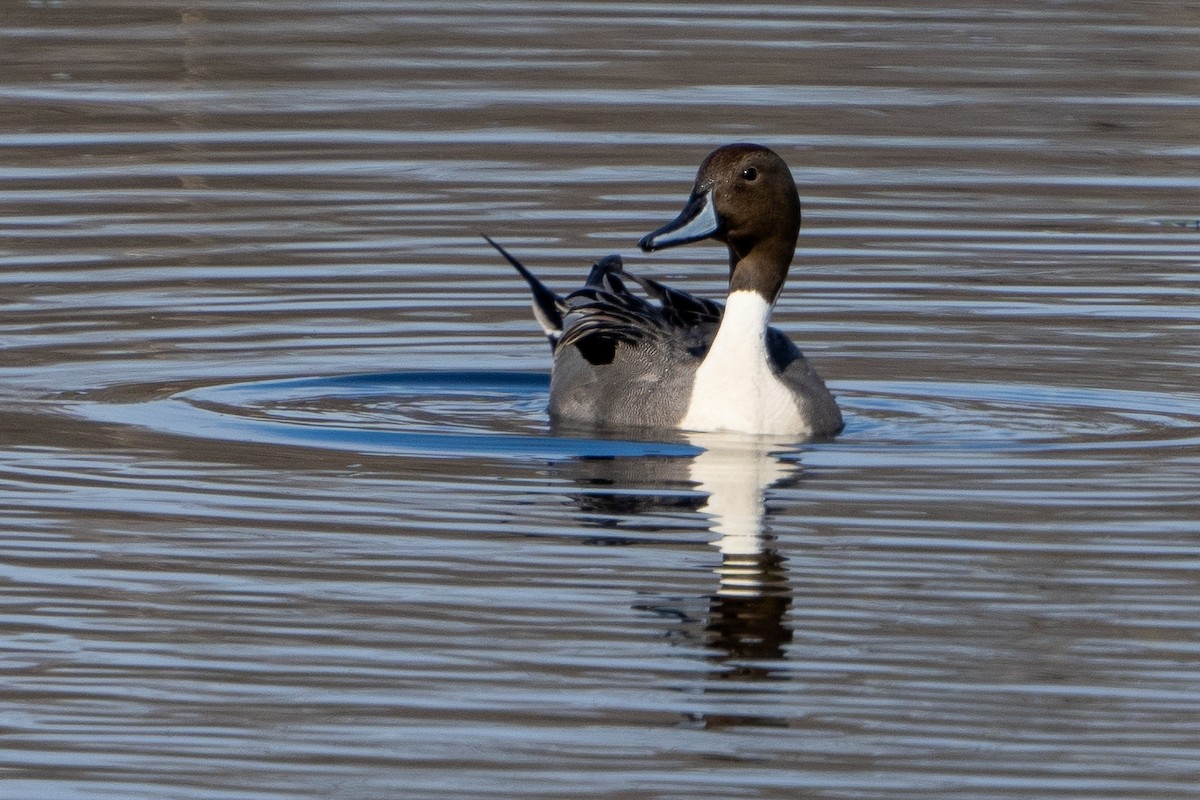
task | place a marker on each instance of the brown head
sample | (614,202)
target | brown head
(744,197)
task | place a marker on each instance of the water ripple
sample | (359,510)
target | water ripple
(502,414)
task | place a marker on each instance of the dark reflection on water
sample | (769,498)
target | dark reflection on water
(283,514)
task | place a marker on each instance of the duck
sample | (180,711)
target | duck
(666,359)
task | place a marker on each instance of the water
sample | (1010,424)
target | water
(284,515)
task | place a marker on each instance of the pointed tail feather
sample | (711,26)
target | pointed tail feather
(548,307)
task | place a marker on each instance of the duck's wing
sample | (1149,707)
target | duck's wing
(548,308)
(604,313)
(678,307)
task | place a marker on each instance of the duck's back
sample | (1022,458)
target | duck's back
(623,361)
(647,384)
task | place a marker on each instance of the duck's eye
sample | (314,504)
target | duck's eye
(749,173)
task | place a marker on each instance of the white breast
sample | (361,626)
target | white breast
(735,388)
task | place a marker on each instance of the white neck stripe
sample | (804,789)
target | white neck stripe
(736,387)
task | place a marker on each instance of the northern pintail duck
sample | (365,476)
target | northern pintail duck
(621,361)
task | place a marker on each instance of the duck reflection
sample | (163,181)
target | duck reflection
(746,628)
(743,622)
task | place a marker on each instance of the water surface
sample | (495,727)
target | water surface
(284,514)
